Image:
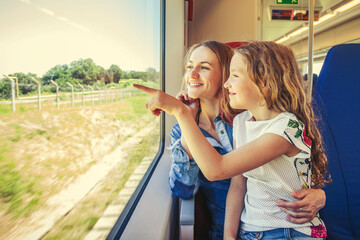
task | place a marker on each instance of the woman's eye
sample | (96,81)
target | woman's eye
(189,67)
(234,75)
(204,67)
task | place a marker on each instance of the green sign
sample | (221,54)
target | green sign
(287,1)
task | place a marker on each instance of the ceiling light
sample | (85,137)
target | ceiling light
(297,32)
(282,39)
(347,6)
(326,17)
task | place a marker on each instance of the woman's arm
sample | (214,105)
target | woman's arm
(213,165)
(304,210)
(234,206)
(184,173)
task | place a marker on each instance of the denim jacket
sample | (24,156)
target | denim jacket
(186,178)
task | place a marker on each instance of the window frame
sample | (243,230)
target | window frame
(120,225)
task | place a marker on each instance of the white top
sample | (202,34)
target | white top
(277,178)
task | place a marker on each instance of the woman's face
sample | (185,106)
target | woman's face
(203,74)
(243,92)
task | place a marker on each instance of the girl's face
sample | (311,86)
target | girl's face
(243,93)
(203,74)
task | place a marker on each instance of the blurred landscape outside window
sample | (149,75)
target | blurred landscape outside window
(75,137)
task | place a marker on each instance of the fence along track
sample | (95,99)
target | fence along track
(95,97)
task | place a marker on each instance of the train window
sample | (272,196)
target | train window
(76,138)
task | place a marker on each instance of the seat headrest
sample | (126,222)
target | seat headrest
(235,44)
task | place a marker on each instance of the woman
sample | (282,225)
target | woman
(207,68)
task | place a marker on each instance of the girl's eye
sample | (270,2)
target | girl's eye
(189,67)
(234,75)
(204,67)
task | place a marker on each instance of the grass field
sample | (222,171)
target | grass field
(42,152)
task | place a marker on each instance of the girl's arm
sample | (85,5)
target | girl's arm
(213,165)
(250,156)
(193,106)
(234,206)
(185,146)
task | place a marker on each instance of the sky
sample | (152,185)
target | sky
(36,35)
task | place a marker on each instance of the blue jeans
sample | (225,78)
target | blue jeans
(279,233)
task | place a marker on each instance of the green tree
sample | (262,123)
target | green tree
(116,73)
(26,84)
(109,77)
(5,88)
(127,75)
(59,74)
(85,71)
(138,75)
(152,74)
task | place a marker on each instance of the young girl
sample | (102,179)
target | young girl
(264,79)
(278,147)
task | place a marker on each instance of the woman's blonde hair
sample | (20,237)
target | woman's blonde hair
(224,54)
(274,69)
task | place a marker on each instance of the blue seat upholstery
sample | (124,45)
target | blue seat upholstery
(336,102)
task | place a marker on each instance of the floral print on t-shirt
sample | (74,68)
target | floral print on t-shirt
(301,132)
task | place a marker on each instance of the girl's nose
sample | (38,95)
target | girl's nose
(227,85)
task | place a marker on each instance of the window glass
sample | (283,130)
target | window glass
(75,138)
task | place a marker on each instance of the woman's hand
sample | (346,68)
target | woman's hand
(304,210)
(191,104)
(161,101)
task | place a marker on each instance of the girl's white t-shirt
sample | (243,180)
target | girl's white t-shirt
(277,178)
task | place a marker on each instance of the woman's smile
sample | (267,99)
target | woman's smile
(194,84)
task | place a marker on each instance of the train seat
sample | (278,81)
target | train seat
(336,102)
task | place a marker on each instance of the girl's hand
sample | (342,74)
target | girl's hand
(191,104)
(161,101)
(304,210)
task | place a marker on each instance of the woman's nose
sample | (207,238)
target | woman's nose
(194,73)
